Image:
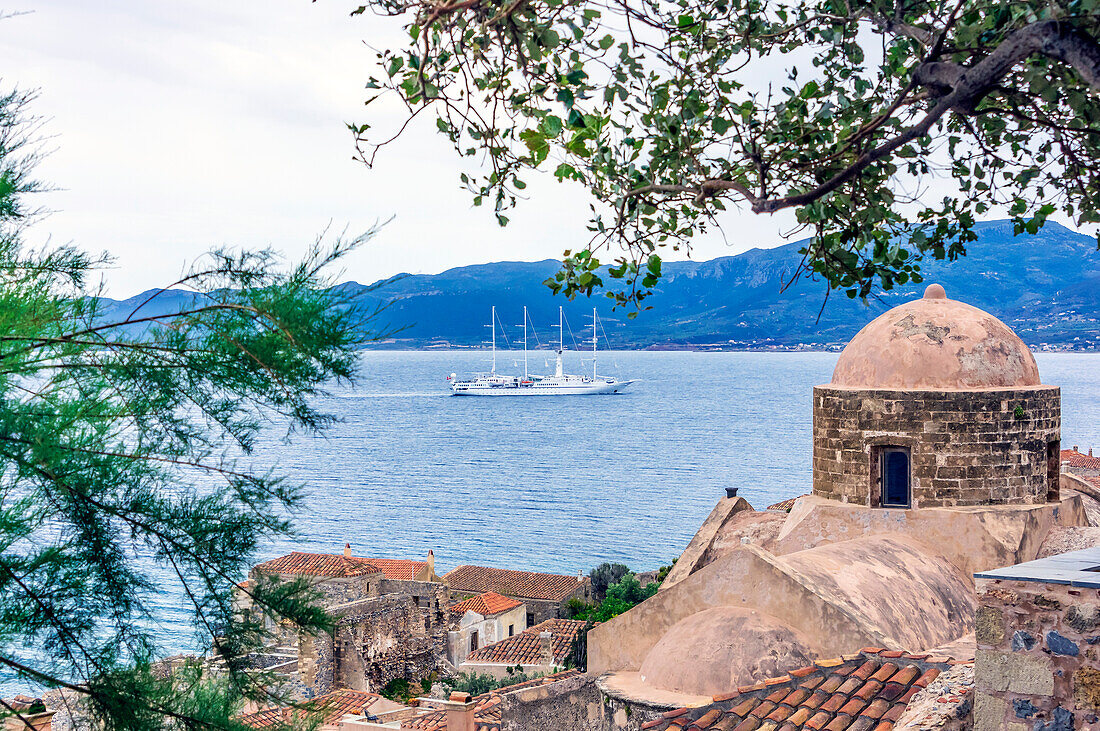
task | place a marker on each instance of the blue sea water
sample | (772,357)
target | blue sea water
(563,483)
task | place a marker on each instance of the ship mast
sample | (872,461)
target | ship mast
(593,343)
(493,328)
(525,342)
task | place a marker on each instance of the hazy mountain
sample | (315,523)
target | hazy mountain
(1045,286)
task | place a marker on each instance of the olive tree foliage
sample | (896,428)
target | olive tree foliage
(124,462)
(855,115)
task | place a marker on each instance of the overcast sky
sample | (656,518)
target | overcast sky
(181,126)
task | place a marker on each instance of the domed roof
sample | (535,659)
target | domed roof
(717,649)
(936,343)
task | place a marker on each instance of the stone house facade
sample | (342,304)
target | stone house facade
(392,620)
(545,595)
(545,648)
(482,620)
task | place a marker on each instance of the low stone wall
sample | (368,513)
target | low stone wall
(576,704)
(1038,658)
(967,447)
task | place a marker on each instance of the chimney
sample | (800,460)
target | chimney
(1074,447)
(431,564)
(546,648)
(347,550)
(1090,451)
(460,712)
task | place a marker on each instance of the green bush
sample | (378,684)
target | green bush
(478,683)
(604,575)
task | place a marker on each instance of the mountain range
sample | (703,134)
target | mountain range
(1046,286)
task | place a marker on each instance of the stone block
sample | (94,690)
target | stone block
(1086,688)
(1013,672)
(989,712)
(1061,645)
(1083,617)
(989,626)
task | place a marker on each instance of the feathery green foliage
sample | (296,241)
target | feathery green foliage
(123,448)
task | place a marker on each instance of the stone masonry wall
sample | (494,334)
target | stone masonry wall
(967,447)
(1037,666)
(576,704)
(392,636)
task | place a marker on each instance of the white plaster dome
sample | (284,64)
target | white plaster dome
(936,343)
(717,649)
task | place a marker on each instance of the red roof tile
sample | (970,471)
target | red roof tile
(486,604)
(1073,458)
(526,648)
(518,584)
(785,505)
(858,692)
(333,706)
(318,564)
(398,569)
(487,710)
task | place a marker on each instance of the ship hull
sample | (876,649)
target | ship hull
(536,389)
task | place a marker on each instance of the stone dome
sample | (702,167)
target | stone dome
(936,343)
(718,649)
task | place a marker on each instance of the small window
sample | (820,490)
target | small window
(894,477)
(473,641)
(416,600)
(530,619)
(1054,470)
(511,630)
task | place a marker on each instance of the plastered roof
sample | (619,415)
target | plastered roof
(936,343)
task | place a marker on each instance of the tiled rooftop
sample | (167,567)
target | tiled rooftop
(319,564)
(333,706)
(487,710)
(1073,458)
(398,569)
(526,649)
(519,584)
(486,604)
(785,505)
(867,691)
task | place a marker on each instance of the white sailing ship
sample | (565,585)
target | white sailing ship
(558,384)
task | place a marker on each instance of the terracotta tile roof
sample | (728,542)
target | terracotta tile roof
(486,604)
(318,564)
(1073,458)
(519,584)
(785,505)
(399,569)
(867,691)
(487,710)
(333,706)
(526,649)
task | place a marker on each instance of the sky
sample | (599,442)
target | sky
(174,128)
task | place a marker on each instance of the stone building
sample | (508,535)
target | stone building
(544,648)
(936,455)
(936,403)
(1038,635)
(392,619)
(482,620)
(544,594)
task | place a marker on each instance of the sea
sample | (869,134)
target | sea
(562,484)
